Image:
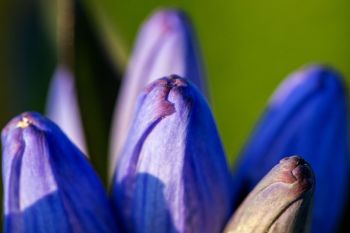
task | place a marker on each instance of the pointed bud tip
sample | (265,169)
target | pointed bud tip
(296,169)
(161,89)
(167,83)
(315,77)
(24,123)
(169,19)
(24,120)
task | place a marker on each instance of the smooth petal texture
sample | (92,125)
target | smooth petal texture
(308,116)
(49,186)
(63,108)
(280,203)
(173,175)
(166,45)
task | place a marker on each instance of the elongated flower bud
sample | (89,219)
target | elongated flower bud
(306,116)
(173,175)
(280,203)
(166,45)
(49,186)
(63,108)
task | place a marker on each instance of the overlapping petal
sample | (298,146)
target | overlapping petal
(308,115)
(166,45)
(173,175)
(49,186)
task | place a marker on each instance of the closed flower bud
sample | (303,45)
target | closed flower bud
(63,108)
(49,186)
(307,116)
(173,175)
(166,45)
(280,202)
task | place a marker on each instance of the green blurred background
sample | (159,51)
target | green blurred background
(249,47)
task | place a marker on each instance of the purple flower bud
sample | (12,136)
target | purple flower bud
(280,203)
(308,116)
(166,45)
(173,175)
(63,108)
(49,186)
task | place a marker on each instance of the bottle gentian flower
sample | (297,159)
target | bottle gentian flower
(49,185)
(308,115)
(172,174)
(166,45)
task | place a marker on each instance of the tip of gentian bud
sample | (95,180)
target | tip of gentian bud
(280,202)
(49,186)
(173,174)
(307,115)
(166,45)
(63,108)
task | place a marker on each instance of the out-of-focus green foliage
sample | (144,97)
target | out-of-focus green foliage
(27,59)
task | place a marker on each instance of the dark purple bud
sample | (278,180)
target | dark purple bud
(308,116)
(49,185)
(173,174)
